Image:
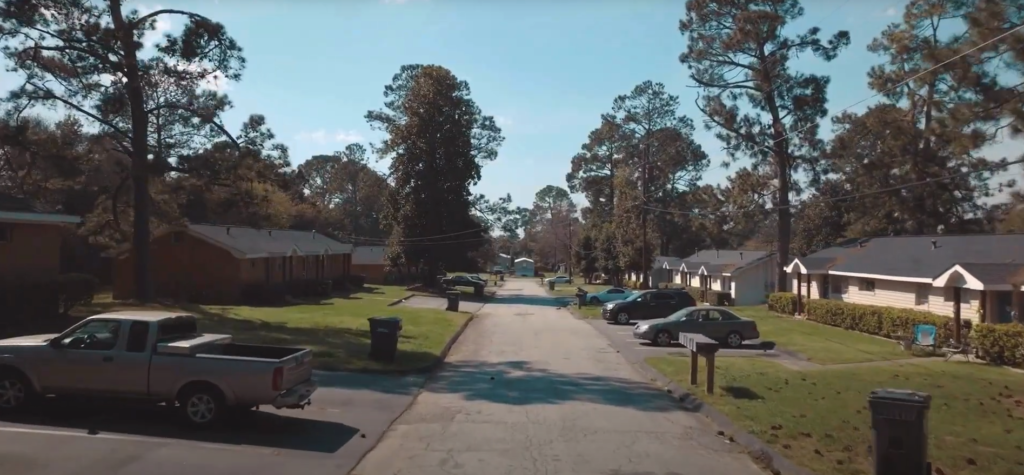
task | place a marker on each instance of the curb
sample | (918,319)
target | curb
(403,299)
(758,450)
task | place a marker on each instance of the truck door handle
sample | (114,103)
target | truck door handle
(108,359)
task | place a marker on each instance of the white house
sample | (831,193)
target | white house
(749,276)
(524,267)
(659,272)
(979,277)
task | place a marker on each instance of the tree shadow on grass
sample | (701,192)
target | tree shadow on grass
(272,429)
(742,392)
(519,383)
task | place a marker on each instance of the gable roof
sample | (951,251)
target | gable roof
(524,259)
(720,261)
(662,262)
(251,243)
(914,256)
(15,209)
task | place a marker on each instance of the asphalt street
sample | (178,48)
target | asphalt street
(528,390)
(349,414)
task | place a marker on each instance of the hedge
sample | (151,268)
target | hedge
(1001,343)
(782,302)
(883,321)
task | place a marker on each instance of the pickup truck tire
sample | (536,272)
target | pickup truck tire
(202,405)
(15,390)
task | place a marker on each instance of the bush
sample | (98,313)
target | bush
(999,344)
(877,320)
(719,298)
(74,290)
(29,299)
(696,292)
(782,302)
(357,281)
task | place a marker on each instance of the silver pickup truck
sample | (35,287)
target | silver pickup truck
(154,356)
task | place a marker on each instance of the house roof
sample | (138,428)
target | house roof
(22,210)
(368,255)
(914,256)
(523,259)
(992,274)
(251,242)
(721,260)
(660,262)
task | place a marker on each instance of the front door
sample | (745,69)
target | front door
(84,361)
(1004,307)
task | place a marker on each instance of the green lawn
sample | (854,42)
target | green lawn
(821,344)
(336,330)
(819,419)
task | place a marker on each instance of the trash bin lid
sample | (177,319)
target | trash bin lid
(385,319)
(452,293)
(901,396)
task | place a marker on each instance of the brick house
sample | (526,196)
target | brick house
(214,263)
(369,261)
(30,240)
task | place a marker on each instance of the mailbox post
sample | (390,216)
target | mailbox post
(899,430)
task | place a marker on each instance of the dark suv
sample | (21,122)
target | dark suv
(647,306)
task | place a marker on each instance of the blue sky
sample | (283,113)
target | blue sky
(545,69)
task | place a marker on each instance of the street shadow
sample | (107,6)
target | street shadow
(404,385)
(532,300)
(519,383)
(742,392)
(257,428)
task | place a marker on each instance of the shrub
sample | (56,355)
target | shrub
(74,290)
(696,292)
(1000,344)
(782,302)
(357,281)
(882,321)
(719,298)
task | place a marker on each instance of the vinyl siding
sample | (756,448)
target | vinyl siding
(892,293)
(751,286)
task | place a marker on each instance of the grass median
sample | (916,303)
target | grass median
(335,329)
(819,419)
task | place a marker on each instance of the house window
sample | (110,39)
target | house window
(867,285)
(836,285)
(177,237)
(921,297)
(5,234)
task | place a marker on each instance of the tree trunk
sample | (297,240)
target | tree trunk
(784,228)
(140,154)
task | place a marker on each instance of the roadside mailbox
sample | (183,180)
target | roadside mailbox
(899,429)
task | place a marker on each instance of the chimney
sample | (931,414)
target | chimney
(935,244)
(229,230)
(741,255)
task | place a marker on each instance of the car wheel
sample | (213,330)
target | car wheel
(202,406)
(15,391)
(595,301)
(734,340)
(662,338)
(622,318)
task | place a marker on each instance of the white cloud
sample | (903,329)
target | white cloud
(162,26)
(322,136)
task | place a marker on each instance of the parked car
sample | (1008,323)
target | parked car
(716,323)
(477,278)
(558,279)
(463,281)
(613,294)
(155,356)
(647,305)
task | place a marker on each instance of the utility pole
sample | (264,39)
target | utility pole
(643,213)
(569,261)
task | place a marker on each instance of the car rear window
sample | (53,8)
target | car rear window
(175,328)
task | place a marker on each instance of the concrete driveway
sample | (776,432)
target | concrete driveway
(349,414)
(528,389)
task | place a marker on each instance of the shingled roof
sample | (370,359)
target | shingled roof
(19,209)
(924,257)
(718,261)
(251,242)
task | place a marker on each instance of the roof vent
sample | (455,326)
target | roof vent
(228,230)
(935,244)
(270,233)
(314,234)
(716,253)
(741,255)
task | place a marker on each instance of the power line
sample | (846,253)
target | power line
(865,193)
(902,83)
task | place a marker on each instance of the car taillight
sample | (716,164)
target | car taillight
(278,380)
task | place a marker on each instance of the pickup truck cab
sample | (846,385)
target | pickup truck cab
(154,356)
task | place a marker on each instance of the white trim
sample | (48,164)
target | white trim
(703,271)
(919,280)
(972,282)
(38,218)
(803,270)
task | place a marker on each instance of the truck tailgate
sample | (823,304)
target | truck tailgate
(298,368)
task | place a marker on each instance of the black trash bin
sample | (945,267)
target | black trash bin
(581,297)
(899,429)
(384,333)
(501,277)
(453,300)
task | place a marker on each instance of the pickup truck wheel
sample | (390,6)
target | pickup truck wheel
(201,406)
(15,391)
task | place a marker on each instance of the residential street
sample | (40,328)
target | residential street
(328,437)
(528,390)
